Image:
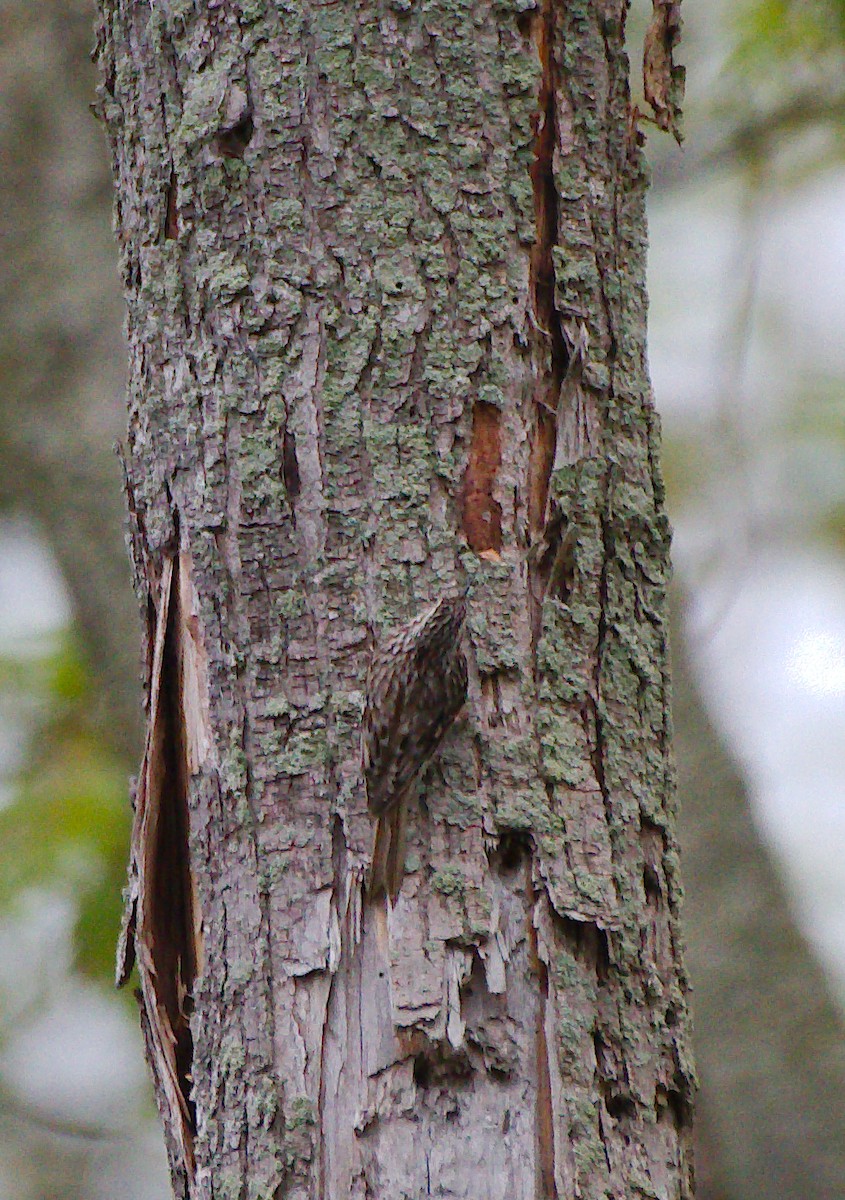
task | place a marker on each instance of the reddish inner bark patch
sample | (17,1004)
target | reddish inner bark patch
(481,514)
(549,343)
(547,1188)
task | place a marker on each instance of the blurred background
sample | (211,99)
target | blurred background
(747,280)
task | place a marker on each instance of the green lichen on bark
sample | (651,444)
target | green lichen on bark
(310,324)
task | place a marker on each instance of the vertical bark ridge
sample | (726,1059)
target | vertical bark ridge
(549,345)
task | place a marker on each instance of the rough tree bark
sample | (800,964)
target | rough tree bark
(384,274)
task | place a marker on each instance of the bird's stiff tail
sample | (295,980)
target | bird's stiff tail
(387,868)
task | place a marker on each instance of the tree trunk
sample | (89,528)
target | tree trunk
(384,273)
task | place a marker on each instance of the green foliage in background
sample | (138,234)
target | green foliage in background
(776,98)
(65,827)
(790,30)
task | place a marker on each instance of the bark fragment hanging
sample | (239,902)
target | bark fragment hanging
(161,929)
(663,81)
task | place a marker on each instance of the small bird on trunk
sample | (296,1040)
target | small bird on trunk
(416,686)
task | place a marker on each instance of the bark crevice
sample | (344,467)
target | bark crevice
(162,927)
(549,345)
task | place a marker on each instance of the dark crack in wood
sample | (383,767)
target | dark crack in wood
(548,342)
(161,927)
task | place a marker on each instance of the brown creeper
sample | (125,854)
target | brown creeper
(416,686)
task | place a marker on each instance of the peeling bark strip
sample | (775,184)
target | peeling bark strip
(161,923)
(384,270)
(548,342)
